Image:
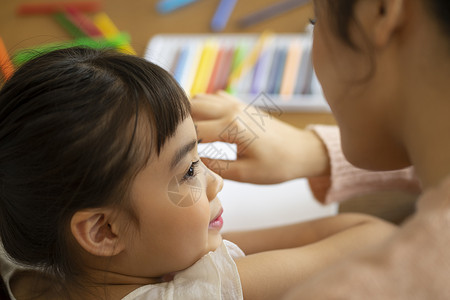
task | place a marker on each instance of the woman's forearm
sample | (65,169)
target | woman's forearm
(267,275)
(297,235)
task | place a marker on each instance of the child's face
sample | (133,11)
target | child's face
(175,201)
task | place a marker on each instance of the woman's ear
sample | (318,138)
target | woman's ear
(390,17)
(94,232)
(380,18)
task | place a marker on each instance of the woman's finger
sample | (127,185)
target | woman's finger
(205,109)
(228,169)
(212,131)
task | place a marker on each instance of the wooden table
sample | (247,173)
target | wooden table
(142,21)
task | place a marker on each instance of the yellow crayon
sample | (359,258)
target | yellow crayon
(205,68)
(109,30)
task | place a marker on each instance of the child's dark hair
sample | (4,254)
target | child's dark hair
(76,126)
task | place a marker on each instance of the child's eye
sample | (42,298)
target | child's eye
(191,172)
(313,21)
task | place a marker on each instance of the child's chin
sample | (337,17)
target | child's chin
(215,241)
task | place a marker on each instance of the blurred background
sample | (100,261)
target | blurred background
(142,20)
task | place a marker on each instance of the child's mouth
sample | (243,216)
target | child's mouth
(217,222)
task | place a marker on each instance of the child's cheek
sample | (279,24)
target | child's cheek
(185,193)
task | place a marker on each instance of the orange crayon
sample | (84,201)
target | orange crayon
(6,65)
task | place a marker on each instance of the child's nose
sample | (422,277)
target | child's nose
(214,185)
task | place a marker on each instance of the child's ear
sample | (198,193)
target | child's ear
(381,19)
(94,232)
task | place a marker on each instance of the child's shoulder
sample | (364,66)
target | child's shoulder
(216,271)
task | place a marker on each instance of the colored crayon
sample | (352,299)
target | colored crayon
(205,67)
(6,65)
(215,71)
(271,11)
(244,84)
(109,30)
(68,25)
(276,70)
(293,59)
(181,63)
(192,65)
(272,72)
(183,71)
(222,14)
(24,55)
(262,69)
(167,6)
(246,65)
(221,80)
(236,65)
(55,7)
(83,22)
(280,66)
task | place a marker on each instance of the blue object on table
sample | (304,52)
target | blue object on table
(271,11)
(222,14)
(167,6)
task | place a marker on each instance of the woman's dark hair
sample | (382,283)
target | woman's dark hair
(76,126)
(342,12)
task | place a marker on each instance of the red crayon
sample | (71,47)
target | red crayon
(224,70)
(55,7)
(82,22)
(215,71)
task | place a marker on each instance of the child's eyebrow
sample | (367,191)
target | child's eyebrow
(182,152)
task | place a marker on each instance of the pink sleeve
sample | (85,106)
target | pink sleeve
(346,181)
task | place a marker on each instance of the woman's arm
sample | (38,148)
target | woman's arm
(309,248)
(271,151)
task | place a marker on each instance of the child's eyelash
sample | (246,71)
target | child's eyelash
(191,172)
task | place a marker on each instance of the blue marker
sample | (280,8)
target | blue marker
(222,14)
(181,64)
(167,6)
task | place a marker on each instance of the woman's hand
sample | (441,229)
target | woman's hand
(268,150)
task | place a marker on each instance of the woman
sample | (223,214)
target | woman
(384,66)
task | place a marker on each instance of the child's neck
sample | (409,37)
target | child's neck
(117,287)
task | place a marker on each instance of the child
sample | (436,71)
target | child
(103,195)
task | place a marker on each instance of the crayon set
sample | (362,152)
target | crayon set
(277,66)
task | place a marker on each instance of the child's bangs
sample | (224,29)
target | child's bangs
(161,105)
